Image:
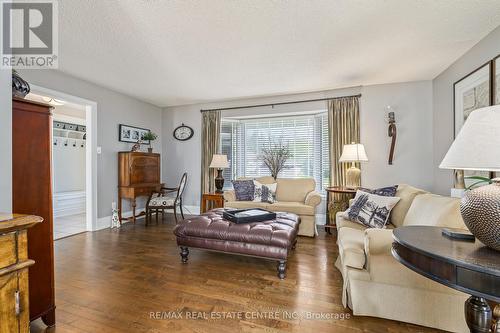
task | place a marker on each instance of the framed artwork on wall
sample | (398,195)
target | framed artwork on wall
(132,134)
(472,92)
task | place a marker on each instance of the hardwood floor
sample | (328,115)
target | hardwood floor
(112,280)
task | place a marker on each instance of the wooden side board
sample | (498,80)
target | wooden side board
(14,263)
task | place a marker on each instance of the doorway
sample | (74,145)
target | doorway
(74,164)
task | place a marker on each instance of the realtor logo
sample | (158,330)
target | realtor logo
(29,34)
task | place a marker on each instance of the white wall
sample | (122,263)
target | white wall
(69,167)
(485,50)
(68,162)
(5,141)
(413,157)
(113,108)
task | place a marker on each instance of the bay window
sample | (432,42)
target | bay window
(242,140)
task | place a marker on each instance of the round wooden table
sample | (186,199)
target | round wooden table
(340,202)
(467,266)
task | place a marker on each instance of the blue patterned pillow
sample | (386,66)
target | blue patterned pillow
(244,190)
(389,191)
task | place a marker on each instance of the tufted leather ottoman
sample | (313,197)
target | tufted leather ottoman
(271,239)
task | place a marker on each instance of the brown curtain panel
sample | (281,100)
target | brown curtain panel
(210,141)
(343,128)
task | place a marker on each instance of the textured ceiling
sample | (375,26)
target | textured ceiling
(171,52)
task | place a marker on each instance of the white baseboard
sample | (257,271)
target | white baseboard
(69,203)
(105,222)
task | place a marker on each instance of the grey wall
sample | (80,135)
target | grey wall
(5,141)
(412,103)
(413,159)
(113,108)
(485,50)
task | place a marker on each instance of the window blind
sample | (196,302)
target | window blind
(306,137)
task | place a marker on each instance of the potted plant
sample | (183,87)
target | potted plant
(275,157)
(150,136)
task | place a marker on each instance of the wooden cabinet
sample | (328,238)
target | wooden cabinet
(14,263)
(138,175)
(32,194)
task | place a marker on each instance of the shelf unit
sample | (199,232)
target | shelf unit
(68,134)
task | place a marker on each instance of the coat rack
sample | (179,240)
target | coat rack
(392,131)
(69,135)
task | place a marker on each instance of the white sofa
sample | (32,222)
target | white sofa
(377,285)
(296,196)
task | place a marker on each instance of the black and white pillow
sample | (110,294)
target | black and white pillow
(264,192)
(389,191)
(371,210)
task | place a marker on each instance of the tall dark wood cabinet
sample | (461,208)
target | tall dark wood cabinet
(32,194)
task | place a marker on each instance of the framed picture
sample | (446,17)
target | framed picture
(470,93)
(132,134)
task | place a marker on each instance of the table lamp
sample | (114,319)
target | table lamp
(355,152)
(219,162)
(477,148)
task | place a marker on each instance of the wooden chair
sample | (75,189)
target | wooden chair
(166,198)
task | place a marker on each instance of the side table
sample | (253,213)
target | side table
(341,196)
(216,200)
(469,267)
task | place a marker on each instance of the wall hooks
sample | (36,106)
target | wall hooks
(392,131)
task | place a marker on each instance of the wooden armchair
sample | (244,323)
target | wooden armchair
(166,198)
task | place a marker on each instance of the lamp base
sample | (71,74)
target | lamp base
(480,210)
(219,182)
(353,177)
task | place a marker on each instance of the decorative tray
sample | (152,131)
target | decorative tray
(248,215)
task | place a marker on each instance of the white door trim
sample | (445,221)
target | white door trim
(91,149)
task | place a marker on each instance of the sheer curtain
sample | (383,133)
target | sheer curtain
(210,138)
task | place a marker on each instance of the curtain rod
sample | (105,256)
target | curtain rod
(280,103)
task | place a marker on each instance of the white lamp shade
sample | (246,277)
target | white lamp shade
(219,162)
(477,145)
(353,153)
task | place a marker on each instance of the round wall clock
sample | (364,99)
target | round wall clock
(183,133)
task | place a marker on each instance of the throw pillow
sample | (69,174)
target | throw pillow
(371,210)
(389,191)
(265,193)
(244,190)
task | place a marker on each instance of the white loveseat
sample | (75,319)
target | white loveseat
(377,285)
(296,196)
